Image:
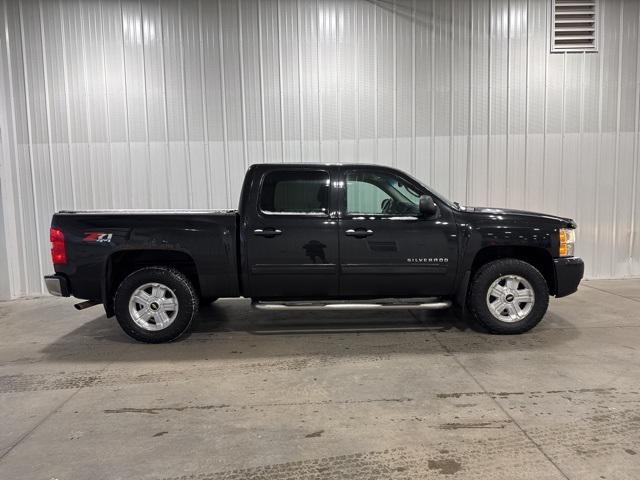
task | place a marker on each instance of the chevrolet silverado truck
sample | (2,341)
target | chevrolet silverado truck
(316,237)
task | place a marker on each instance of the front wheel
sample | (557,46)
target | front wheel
(509,296)
(155,304)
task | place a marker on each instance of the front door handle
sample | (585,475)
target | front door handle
(358,233)
(267,232)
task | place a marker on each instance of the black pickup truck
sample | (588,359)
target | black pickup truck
(312,236)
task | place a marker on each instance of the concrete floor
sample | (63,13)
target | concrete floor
(323,396)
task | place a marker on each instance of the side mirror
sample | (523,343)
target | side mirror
(428,207)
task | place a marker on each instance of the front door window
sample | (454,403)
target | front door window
(379,193)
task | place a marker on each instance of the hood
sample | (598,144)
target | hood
(568,222)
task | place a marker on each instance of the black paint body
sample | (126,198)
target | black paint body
(312,257)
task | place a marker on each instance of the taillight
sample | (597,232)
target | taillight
(58,249)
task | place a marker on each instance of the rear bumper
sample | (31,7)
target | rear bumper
(57,285)
(568,272)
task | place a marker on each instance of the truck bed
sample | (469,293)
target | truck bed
(99,241)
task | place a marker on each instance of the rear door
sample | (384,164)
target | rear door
(292,237)
(387,248)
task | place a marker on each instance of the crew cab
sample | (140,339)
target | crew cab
(314,236)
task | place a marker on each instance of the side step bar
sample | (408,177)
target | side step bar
(428,304)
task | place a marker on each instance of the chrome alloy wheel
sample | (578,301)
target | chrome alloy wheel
(153,306)
(510,298)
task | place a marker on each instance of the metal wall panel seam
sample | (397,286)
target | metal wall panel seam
(562,127)
(467,190)
(106,92)
(318,80)
(599,147)
(126,99)
(282,125)
(205,117)
(357,83)
(187,139)
(48,113)
(544,99)
(432,49)
(16,278)
(261,68)
(451,96)
(30,134)
(242,85)
(87,107)
(300,102)
(6,245)
(375,83)
(338,103)
(634,187)
(224,106)
(508,65)
(526,108)
(335,40)
(580,134)
(413,86)
(488,180)
(146,103)
(616,160)
(68,109)
(394,152)
(166,108)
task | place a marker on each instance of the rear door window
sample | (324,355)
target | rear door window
(302,192)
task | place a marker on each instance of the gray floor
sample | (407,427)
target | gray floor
(326,396)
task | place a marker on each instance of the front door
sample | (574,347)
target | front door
(292,240)
(387,249)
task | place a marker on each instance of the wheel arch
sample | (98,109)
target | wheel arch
(122,263)
(539,257)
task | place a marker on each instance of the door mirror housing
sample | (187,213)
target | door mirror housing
(428,207)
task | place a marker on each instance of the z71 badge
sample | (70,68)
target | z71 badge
(99,237)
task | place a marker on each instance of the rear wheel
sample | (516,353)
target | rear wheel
(509,296)
(155,304)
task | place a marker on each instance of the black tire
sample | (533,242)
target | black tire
(207,301)
(489,273)
(184,292)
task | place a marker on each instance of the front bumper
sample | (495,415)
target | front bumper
(568,272)
(57,285)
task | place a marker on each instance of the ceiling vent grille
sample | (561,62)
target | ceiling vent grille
(574,27)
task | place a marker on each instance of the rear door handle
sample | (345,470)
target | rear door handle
(358,233)
(267,232)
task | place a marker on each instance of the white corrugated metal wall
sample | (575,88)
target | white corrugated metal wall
(110,104)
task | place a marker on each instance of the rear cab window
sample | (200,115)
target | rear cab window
(295,192)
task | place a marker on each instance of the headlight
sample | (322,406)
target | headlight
(567,242)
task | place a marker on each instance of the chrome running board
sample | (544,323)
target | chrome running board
(425,304)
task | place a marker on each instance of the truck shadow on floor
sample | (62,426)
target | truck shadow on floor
(239,316)
(232,330)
